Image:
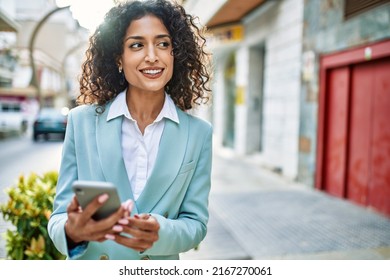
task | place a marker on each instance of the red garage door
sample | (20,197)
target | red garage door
(336,132)
(354,131)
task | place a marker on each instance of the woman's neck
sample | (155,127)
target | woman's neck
(144,107)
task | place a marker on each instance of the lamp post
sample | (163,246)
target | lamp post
(34,78)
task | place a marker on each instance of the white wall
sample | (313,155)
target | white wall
(8,7)
(280,29)
(276,28)
(218,100)
(242,80)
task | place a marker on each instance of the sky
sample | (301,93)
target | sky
(89,13)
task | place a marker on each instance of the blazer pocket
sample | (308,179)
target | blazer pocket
(187,167)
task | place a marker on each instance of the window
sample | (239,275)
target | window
(10,107)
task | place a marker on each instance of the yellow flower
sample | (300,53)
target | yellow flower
(36,248)
(47,213)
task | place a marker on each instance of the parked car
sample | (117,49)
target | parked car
(12,119)
(50,121)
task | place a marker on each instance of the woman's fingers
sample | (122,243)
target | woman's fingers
(82,227)
(141,231)
(144,222)
(73,205)
(128,206)
(131,242)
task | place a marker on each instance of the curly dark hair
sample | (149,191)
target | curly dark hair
(100,80)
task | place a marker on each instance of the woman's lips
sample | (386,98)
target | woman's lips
(152,73)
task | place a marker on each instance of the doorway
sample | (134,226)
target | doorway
(353,157)
(229,104)
(255,99)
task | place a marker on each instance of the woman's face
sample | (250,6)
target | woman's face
(147,58)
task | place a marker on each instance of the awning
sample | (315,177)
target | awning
(233,11)
(7,24)
(18,92)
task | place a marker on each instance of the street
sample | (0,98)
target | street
(21,156)
(254,213)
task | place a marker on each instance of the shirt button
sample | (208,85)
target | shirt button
(104,257)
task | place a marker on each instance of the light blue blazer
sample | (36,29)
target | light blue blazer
(176,193)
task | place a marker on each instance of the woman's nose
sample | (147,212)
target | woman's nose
(151,55)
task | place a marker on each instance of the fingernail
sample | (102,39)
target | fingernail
(110,236)
(103,198)
(130,206)
(136,216)
(123,221)
(117,228)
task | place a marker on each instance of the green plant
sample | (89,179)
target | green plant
(28,209)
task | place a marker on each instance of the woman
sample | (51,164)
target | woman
(144,69)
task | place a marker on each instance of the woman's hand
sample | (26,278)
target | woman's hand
(143,229)
(81,227)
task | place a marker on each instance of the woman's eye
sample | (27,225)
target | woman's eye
(136,46)
(164,44)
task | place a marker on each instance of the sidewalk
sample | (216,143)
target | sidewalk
(256,214)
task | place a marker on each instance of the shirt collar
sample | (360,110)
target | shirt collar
(119,108)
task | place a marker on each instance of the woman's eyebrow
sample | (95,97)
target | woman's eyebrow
(136,37)
(163,36)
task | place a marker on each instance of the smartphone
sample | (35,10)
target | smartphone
(86,191)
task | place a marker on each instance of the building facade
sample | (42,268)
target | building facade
(271,63)
(345,101)
(56,51)
(256,90)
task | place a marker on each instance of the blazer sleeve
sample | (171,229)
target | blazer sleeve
(67,174)
(189,229)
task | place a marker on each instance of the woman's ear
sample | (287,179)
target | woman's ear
(119,64)
(118,61)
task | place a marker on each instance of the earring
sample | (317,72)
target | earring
(122,78)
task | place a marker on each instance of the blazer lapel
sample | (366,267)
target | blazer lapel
(108,139)
(168,162)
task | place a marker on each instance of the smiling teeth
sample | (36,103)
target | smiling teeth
(152,72)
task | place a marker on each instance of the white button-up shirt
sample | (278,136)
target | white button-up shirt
(140,151)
